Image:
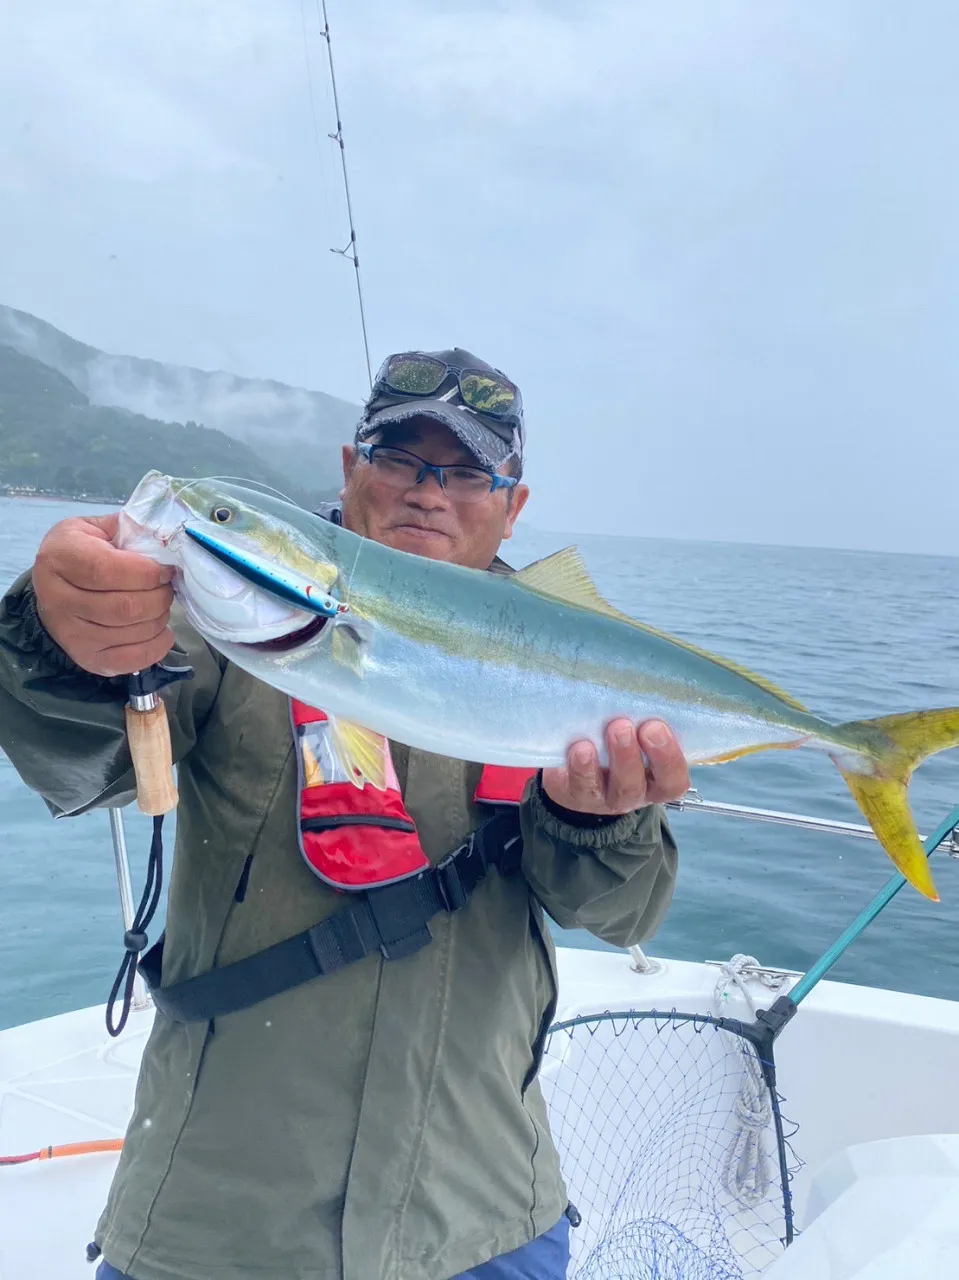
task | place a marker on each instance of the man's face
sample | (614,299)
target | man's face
(423,519)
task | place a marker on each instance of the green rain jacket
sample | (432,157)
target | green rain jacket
(380,1123)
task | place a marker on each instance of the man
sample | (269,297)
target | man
(383,1121)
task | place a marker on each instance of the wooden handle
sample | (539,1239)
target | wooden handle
(149,736)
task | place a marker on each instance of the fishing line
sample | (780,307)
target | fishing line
(356,561)
(247,483)
(316,125)
(350,252)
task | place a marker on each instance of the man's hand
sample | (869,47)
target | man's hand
(109,610)
(627,784)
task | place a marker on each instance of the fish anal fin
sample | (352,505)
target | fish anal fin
(362,752)
(564,576)
(738,752)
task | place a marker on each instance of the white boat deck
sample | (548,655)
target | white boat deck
(855,1065)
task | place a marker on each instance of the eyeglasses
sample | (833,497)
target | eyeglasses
(484,390)
(402,470)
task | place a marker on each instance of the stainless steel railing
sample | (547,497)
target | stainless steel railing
(694,802)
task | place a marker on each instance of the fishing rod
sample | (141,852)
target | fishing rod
(351,251)
(148,732)
(148,737)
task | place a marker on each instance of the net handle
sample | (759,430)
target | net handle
(866,916)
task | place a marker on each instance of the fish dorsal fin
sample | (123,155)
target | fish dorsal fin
(564,576)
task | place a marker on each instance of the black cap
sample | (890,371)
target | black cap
(492,441)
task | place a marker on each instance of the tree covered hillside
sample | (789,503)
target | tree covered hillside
(52,440)
(300,432)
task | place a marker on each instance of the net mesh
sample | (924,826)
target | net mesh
(671,1145)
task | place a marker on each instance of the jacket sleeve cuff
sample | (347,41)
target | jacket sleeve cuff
(586,830)
(20,603)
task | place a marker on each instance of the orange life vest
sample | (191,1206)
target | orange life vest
(358,838)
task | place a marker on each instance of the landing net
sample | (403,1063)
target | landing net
(672,1145)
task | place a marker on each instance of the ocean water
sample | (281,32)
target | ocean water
(852,634)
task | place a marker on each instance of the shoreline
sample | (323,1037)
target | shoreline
(20,496)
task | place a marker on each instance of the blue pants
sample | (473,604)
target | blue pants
(545,1258)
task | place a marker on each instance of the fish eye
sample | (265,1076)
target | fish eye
(222,515)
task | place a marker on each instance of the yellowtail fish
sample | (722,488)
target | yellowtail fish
(504,668)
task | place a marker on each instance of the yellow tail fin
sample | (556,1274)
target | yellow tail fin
(881,794)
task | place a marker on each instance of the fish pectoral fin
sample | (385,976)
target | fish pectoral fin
(564,576)
(349,644)
(361,752)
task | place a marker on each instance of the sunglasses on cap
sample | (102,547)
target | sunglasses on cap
(486,391)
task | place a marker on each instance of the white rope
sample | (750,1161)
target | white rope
(747,1172)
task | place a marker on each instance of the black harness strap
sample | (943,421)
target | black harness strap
(392,920)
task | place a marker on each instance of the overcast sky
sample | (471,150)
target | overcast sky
(715,242)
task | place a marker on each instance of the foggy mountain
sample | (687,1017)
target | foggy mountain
(54,441)
(299,431)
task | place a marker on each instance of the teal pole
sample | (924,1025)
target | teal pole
(866,916)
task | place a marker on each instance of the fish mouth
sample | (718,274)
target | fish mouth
(293,640)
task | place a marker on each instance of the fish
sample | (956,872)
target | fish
(506,668)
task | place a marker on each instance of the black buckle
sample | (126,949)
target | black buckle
(449,884)
(455,889)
